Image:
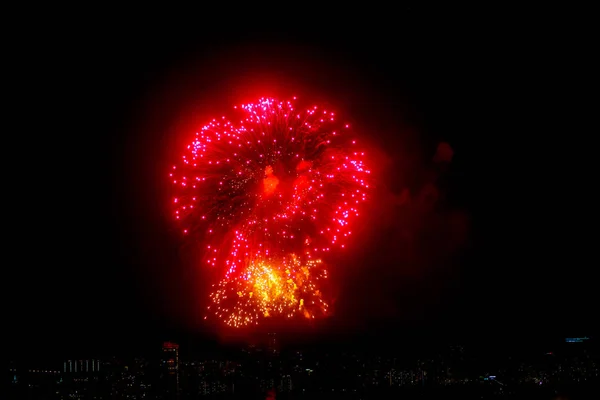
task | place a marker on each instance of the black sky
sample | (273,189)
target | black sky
(102,105)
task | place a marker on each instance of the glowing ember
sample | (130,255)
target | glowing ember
(272,288)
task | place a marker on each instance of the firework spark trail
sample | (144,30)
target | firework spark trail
(270,288)
(280,182)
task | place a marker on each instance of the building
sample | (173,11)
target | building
(272,343)
(285,383)
(170,368)
(576,339)
(170,357)
(81,366)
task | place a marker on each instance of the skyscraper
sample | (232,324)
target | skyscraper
(170,365)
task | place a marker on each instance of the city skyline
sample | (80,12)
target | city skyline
(268,367)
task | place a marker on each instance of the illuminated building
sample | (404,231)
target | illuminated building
(170,358)
(285,384)
(170,365)
(81,366)
(576,339)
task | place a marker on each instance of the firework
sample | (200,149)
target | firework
(278,182)
(271,288)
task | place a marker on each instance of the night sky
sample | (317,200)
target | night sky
(103,108)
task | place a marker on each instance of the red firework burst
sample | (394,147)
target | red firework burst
(270,194)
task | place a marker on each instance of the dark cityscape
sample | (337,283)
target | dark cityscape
(266,366)
(166,249)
